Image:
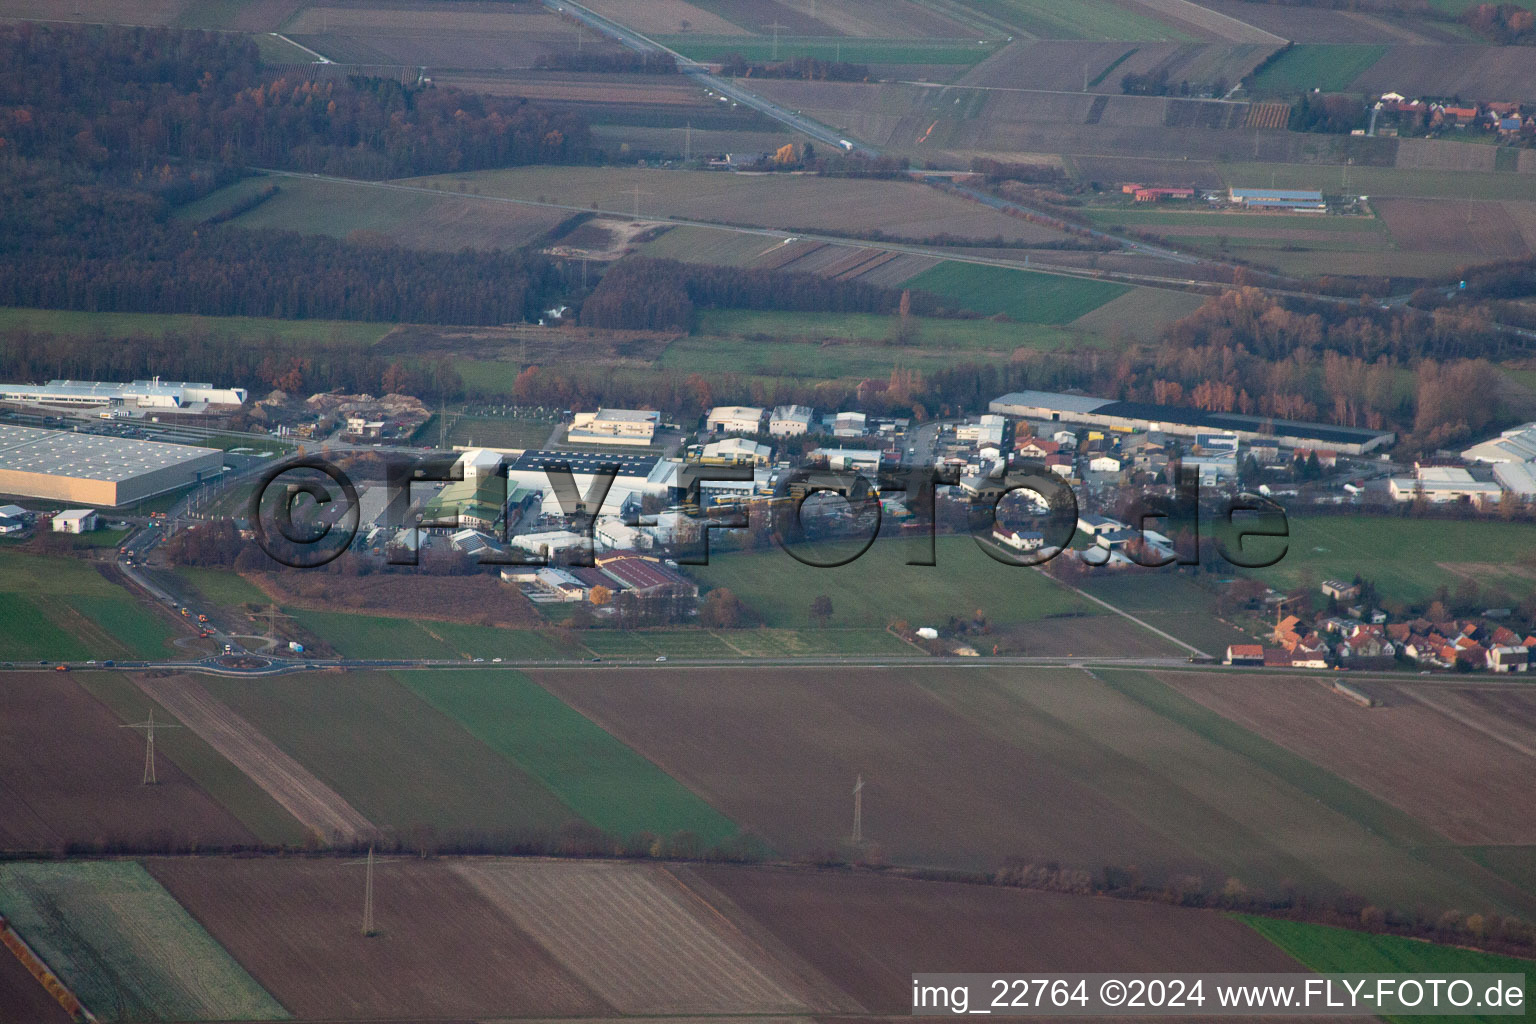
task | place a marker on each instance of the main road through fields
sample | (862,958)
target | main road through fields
(700,74)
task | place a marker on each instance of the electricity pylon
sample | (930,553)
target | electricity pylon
(149,726)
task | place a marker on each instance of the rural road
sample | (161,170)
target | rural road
(696,71)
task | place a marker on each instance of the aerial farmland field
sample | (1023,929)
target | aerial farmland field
(1088,19)
(880,587)
(61,608)
(1455,778)
(402,763)
(442,948)
(897,924)
(603,921)
(462,34)
(69,773)
(1116,776)
(444,222)
(125,946)
(158,325)
(1449,70)
(1490,554)
(788,201)
(597,775)
(1021,295)
(1330,67)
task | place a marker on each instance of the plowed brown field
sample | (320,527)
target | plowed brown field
(295,787)
(1468,786)
(870,934)
(69,772)
(442,950)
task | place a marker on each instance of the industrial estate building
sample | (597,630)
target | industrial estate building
(155,394)
(88,469)
(614,426)
(1127,416)
(735,419)
(1289,200)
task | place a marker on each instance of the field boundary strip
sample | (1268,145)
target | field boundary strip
(313,803)
(12,940)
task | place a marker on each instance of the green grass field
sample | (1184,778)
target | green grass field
(26,633)
(799,356)
(125,946)
(398,760)
(879,587)
(377,636)
(142,633)
(596,775)
(855,51)
(1340,950)
(490,431)
(1326,66)
(222,588)
(1081,19)
(158,325)
(1021,295)
(1175,604)
(927,333)
(61,608)
(1407,559)
(228,785)
(740,643)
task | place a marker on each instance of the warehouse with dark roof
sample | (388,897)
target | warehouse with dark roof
(1054,407)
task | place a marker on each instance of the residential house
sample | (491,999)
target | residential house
(1019,540)
(1508,658)
(1035,448)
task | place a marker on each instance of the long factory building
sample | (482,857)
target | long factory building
(90,469)
(1054,407)
(171,396)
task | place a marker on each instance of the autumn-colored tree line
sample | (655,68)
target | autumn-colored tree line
(68,244)
(120,96)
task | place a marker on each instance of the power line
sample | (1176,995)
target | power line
(859,811)
(149,727)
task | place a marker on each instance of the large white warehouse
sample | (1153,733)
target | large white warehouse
(171,396)
(89,469)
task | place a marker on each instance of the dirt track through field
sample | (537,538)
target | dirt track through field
(309,800)
(636,936)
